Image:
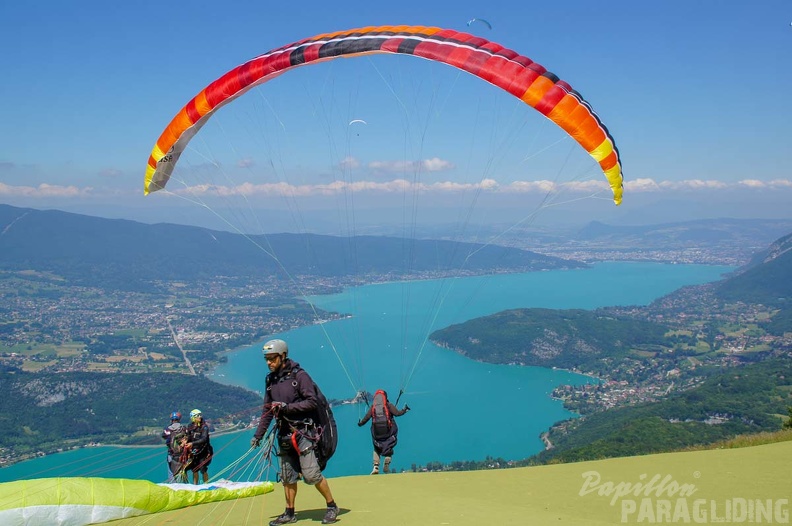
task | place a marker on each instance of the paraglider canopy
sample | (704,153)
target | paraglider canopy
(77,501)
(481,20)
(504,68)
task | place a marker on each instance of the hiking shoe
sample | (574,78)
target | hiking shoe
(331,515)
(283,518)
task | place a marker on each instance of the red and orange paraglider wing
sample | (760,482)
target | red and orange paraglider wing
(502,67)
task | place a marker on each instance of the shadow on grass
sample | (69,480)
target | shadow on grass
(316,514)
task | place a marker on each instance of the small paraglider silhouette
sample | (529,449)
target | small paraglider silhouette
(361,121)
(470,22)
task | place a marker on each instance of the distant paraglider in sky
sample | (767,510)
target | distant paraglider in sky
(481,20)
(357,121)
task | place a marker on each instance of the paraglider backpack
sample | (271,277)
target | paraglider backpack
(381,419)
(328,431)
(176,438)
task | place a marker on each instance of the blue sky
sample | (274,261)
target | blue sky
(696,94)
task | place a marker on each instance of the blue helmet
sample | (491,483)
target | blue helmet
(176,416)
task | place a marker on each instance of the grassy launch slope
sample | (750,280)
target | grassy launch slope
(701,486)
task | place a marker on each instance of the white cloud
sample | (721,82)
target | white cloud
(693,184)
(44,190)
(246,163)
(641,185)
(489,184)
(780,183)
(349,163)
(530,186)
(435,164)
(399,185)
(753,183)
(334,188)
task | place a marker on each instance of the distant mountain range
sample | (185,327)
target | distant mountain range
(728,232)
(127,254)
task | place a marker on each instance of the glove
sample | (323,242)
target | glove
(360,423)
(278,406)
(255,442)
(406,407)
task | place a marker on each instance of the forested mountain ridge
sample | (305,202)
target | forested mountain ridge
(766,279)
(776,250)
(129,255)
(569,339)
(43,412)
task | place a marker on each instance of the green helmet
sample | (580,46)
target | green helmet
(276,347)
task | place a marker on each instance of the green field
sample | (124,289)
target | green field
(65,350)
(750,484)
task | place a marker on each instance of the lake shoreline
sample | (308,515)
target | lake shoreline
(243,366)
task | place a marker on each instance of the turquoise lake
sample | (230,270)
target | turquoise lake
(461,409)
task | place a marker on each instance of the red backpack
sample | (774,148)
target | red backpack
(381,419)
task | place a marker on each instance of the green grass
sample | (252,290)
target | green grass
(28,349)
(680,332)
(754,439)
(563,494)
(139,333)
(702,347)
(45,350)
